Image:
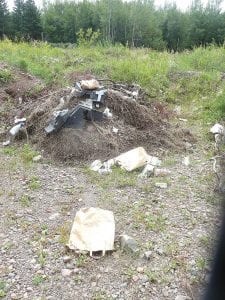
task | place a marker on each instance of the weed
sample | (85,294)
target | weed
(5,76)
(11,151)
(34,183)
(27,153)
(129,272)
(63,231)
(42,257)
(81,261)
(201,263)
(38,279)
(155,222)
(25,200)
(3,289)
(152,276)
(204,240)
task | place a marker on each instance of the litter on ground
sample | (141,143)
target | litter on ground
(93,230)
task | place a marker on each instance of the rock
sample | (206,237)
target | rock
(66,259)
(127,243)
(165,293)
(161,172)
(140,269)
(135,278)
(161,185)
(182,297)
(148,255)
(66,272)
(54,216)
(37,158)
(186,161)
(144,278)
(14,296)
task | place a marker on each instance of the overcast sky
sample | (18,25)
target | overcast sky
(182,4)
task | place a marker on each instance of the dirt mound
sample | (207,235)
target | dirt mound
(137,124)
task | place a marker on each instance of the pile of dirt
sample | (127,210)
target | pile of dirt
(137,124)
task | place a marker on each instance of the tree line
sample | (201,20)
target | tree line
(136,23)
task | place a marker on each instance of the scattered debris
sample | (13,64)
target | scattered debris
(127,243)
(20,124)
(161,185)
(83,111)
(93,230)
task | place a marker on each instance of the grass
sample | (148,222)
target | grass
(5,76)
(3,289)
(25,200)
(119,178)
(146,67)
(34,183)
(38,280)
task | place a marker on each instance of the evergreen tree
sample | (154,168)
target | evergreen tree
(17,18)
(3,18)
(31,21)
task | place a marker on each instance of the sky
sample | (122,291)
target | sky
(182,4)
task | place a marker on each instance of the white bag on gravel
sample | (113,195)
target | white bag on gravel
(93,230)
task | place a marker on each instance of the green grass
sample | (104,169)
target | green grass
(38,279)
(5,76)
(202,96)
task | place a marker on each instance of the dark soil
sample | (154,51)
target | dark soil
(137,124)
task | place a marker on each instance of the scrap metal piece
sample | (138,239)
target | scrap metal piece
(56,123)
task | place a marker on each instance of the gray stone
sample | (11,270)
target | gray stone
(127,243)
(66,272)
(66,259)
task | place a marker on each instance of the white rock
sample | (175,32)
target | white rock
(37,158)
(186,161)
(66,272)
(54,216)
(161,185)
(115,130)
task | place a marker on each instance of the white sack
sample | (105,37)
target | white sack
(93,230)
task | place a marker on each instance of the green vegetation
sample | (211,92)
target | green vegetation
(2,288)
(191,79)
(134,23)
(5,76)
(34,183)
(25,200)
(38,279)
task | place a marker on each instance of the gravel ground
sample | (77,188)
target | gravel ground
(177,225)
